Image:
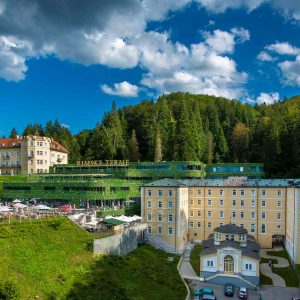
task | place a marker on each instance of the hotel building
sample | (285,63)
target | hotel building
(30,155)
(180,211)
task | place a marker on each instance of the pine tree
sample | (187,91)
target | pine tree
(133,153)
(158,148)
(13,133)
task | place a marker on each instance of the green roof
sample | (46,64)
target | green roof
(113,221)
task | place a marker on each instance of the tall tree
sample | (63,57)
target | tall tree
(133,152)
(158,148)
(240,142)
(13,133)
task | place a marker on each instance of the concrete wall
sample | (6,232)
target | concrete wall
(123,243)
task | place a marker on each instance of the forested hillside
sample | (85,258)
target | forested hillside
(182,126)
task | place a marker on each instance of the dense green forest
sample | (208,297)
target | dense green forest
(182,126)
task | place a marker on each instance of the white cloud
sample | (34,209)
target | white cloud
(283,48)
(291,72)
(267,98)
(122,89)
(241,33)
(264,56)
(220,41)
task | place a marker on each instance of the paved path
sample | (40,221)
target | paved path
(267,271)
(185,269)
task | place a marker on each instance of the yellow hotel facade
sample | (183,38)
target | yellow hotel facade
(180,211)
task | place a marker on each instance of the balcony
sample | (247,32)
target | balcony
(59,159)
(30,155)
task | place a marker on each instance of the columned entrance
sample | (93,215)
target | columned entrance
(228,264)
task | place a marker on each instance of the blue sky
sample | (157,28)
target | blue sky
(69,62)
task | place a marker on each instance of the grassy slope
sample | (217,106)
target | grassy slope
(43,260)
(143,274)
(195,259)
(50,262)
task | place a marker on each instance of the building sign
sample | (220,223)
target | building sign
(100,163)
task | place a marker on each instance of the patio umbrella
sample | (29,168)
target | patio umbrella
(4,209)
(19,205)
(17,201)
(42,207)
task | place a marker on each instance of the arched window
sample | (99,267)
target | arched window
(228,264)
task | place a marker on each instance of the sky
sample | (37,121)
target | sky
(70,59)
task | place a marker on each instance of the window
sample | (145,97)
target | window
(209,213)
(159,230)
(233,202)
(233,214)
(191,192)
(221,224)
(149,229)
(252,228)
(279,193)
(199,213)
(221,192)
(242,202)
(191,213)
(263,215)
(159,204)
(191,224)
(170,231)
(279,216)
(170,218)
(199,224)
(170,193)
(242,192)
(279,203)
(253,193)
(209,202)
(248,267)
(210,263)
(149,217)
(191,202)
(170,204)
(253,203)
(199,202)
(199,192)
(160,193)
(242,225)
(263,192)
(278,226)
(263,203)
(149,204)
(149,192)
(208,225)
(242,215)
(159,217)
(252,215)
(233,192)
(209,192)
(221,202)
(221,214)
(263,228)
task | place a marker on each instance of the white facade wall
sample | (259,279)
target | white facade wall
(245,271)
(207,266)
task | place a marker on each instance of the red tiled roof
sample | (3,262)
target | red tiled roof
(16,143)
(58,147)
(10,142)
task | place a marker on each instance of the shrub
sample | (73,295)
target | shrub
(9,291)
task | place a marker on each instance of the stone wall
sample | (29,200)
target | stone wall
(123,243)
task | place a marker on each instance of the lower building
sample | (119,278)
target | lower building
(179,211)
(230,255)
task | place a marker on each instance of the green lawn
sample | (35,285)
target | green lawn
(264,280)
(143,274)
(195,259)
(52,259)
(289,275)
(266,260)
(282,253)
